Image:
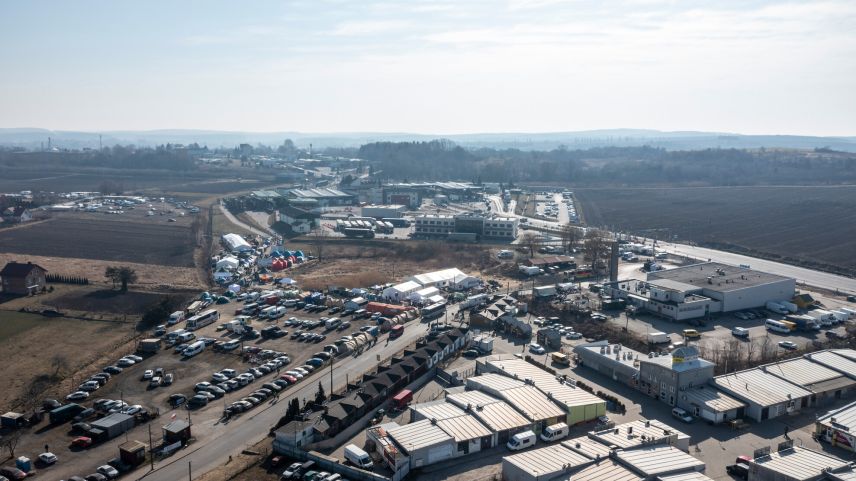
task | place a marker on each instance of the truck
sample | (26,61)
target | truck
(175,318)
(149,345)
(545,291)
(473,301)
(483,344)
(529,271)
(790,306)
(238,325)
(803,322)
(825,318)
(396,331)
(64,413)
(773,306)
(658,338)
(560,359)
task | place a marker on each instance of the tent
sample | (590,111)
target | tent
(287,281)
(229,262)
(235,288)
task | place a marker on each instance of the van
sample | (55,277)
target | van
(358,457)
(333,323)
(554,432)
(289,302)
(276,312)
(194,349)
(560,359)
(681,414)
(691,334)
(521,441)
(265,313)
(174,335)
(250,309)
(186,336)
(175,318)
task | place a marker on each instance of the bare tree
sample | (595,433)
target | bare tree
(10,442)
(595,244)
(319,237)
(59,363)
(531,241)
(570,236)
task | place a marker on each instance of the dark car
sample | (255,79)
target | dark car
(95,477)
(176,400)
(738,471)
(112,369)
(471,353)
(80,428)
(85,414)
(50,404)
(197,401)
(12,472)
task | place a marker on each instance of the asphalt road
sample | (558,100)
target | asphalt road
(802,275)
(217,441)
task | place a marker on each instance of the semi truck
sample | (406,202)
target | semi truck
(803,322)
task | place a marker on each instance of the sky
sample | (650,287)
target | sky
(434,67)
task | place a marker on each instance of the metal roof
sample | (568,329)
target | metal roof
(658,460)
(697,274)
(320,192)
(493,382)
(587,447)
(848,475)
(545,463)
(494,413)
(834,359)
(464,428)
(567,395)
(532,403)
(799,463)
(437,410)
(759,387)
(810,375)
(475,398)
(845,416)
(691,476)
(712,399)
(446,275)
(607,470)
(848,353)
(418,435)
(653,431)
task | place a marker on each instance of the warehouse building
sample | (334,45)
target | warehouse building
(606,470)
(838,427)
(651,461)
(766,396)
(497,415)
(826,385)
(452,278)
(579,405)
(384,211)
(423,443)
(711,404)
(529,401)
(400,292)
(587,447)
(612,360)
(700,289)
(690,476)
(235,243)
(320,197)
(642,432)
(841,360)
(542,464)
(792,463)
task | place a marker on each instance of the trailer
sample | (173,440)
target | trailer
(483,344)
(473,301)
(545,291)
(149,345)
(530,271)
(773,306)
(64,413)
(658,338)
(803,322)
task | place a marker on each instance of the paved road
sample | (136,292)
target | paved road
(802,275)
(219,441)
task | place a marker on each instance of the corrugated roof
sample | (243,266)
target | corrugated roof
(437,410)
(464,428)
(493,382)
(845,416)
(653,432)
(712,399)
(476,398)
(693,476)
(835,360)
(759,387)
(569,396)
(494,413)
(803,372)
(419,435)
(848,475)
(607,470)
(659,460)
(799,463)
(446,275)
(532,403)
(848,353)
(319,192)
(587,447)
(545,463)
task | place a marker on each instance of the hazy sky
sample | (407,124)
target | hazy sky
(456,66)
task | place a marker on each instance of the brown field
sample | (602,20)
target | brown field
(34,342)
(115,238)
(810,226)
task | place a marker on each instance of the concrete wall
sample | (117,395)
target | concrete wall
(756,296)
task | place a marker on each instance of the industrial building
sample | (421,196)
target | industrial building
(319,197)
(711,404)
(826,385)
(422,442)
(838,427)
(542,464)
(700,289)
(579,405)
(452,278)
(412,193)
(766,396)
(659,460)
(841,360)
(384,211)
(496,414)
(480,226)
(529,401)
(792,463)
(642,432)
(400,292)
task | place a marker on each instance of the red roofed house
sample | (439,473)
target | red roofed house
(18,278)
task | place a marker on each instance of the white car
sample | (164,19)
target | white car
(89,386)
(229,373)
(108,471)
(125,362)
(148,374)
(573,335)
(48,458)
(132,410)
(295,374)
(535,348)
(219,377)
(135,357)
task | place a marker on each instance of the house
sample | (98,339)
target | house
(22,279)
(300,220)
(17,215)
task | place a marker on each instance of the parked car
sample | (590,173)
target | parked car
(81,442)
(12,473)
(167,379)
(681,414)
(176,400)
(536,348)
(112,369)
(789,345)
(109,471)
(738,470)
(77,396)
(47,459)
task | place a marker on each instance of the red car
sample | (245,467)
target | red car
(81,442)
(291,379)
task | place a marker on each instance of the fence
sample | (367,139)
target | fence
(332,465)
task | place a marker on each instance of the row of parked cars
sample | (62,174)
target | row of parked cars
(96,381)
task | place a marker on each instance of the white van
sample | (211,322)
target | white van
(186,336)
(174,335)
(358,457)
(289,302)
(521,441)
(175,318)
(554,432)
(265,313)
(276,312)
(194,349)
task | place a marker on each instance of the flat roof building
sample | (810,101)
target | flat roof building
(651,461)
(838,427)
(605,470)
(766,396)
(496,414)
(841,360)
(711,404)
(825,384)
(642,432)
(794,464)
(542,464)
(423,442)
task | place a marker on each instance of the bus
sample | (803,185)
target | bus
(364,233)
(776,326)
(434,310)
(397,222)
(202,319)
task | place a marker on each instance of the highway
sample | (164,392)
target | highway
(217,441)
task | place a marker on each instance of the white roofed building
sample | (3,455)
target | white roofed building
(236,243)
(452,277)
(400,292)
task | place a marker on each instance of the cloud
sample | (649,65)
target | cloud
(369,27)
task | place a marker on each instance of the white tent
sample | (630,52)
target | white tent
(230,263)
(400,292)
(236,243)
(446,278)
(425,293)
(235,288)
(287,281)
(435,299)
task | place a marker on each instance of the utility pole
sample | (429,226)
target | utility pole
(189,477)
(151,457)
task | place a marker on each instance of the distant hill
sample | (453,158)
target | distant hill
(681,140)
